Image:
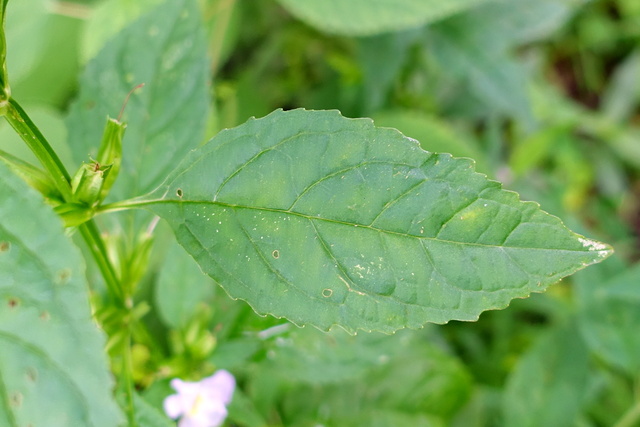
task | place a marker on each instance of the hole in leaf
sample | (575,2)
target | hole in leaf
(179,192)
(63,276)
(32,374)
(275,254)
(327,293)
(15,399)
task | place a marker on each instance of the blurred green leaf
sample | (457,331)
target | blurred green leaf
(326,220)
(50,122)
(166,51)
(180,287)
(549,384)
(52,364)
(51,79)
(609,303)
(235,353)
(369,17)
(403,376)
(243,412)
(108,19)
(148,416)
(381,58)
(621,98)
(25,29)
(466,48)
(536,148)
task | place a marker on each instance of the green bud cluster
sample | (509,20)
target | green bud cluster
(92,182)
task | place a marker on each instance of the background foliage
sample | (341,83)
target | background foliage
(544,95)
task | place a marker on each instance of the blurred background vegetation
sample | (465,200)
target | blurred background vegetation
(543,94)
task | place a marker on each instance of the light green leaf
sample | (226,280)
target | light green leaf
(166,50)
(53,369)
(107,19)
(326,220)
(550,383)
(369,17)
(26,25)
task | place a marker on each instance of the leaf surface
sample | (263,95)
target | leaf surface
(53,371)
(326,220)
(369,17)
(166,51)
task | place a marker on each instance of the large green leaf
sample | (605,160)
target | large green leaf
(166,50)
(53,370)
(326,220)
(369,17)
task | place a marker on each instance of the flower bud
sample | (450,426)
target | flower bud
(88,182)
(110,153)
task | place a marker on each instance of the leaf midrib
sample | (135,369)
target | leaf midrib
(335,221)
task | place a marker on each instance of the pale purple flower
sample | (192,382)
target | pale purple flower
(203,403)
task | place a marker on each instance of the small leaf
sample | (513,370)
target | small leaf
(52,362)
(326,220)
(369,17)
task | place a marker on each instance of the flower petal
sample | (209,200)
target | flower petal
(174,406)
(219,386)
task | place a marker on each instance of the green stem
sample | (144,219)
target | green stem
(39,145)
(128,380)
(92,238)
(122,205)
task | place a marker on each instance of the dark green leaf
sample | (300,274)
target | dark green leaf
(326,220)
